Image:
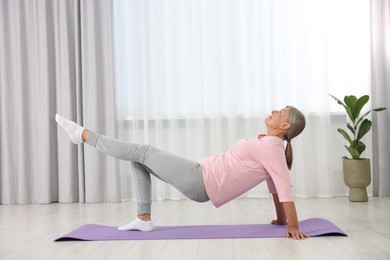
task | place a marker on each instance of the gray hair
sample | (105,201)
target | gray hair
(297,122)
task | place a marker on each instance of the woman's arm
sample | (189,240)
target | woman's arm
(292,221)
(280,215)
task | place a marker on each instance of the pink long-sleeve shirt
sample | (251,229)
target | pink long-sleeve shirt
(248,163)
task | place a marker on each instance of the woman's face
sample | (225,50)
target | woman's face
(278,118)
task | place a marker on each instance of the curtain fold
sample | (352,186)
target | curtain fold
(380,82)
(68,95)
(102,181)
(27,130)
(48,65)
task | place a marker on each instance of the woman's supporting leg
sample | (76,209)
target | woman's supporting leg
(143,188)
(143,191)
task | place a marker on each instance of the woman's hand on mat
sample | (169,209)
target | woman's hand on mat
(294,233)
(278,222)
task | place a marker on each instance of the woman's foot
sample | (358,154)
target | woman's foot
(74,131)
(139,225)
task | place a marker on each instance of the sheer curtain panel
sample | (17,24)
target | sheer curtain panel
(380,71)
(55,56)
(192,77)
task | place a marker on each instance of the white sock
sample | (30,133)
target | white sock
(138,224)
(72,129)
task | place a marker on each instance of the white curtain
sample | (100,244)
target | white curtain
(380,71)
(194,76)
(55,56)
(190,77)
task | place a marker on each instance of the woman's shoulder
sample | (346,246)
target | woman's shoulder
(271,145)
(265,142)
(270,140)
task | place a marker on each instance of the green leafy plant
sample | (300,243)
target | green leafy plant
(360,125)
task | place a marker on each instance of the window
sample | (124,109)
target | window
(196,58)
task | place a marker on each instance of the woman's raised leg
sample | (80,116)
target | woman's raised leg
(185,175)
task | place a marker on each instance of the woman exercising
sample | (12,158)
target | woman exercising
(219,178)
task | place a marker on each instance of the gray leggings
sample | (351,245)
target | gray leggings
(183,174)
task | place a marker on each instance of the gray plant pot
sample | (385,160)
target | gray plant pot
(357,176)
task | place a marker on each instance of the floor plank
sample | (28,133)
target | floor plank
(28,231)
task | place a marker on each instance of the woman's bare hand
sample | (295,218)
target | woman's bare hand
(295,234)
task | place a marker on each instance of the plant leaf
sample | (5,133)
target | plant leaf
(355,154)
(363,116)
(345,135)
(350,100)
(379,109)
(360,148)
(358,105)
(374,109)
(363,129)
(338,101)
(350,114)
(350,127)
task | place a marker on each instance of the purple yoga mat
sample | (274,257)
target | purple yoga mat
(313,227)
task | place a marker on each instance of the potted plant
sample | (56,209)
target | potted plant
(356,170)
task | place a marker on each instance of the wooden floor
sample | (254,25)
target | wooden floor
(27,231)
